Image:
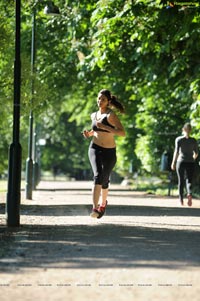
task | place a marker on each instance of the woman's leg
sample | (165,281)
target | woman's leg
(94,154)
(96,191)
(189,167)
(109,160)
(104,195)
(180,173)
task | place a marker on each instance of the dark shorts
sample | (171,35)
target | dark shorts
(102,161)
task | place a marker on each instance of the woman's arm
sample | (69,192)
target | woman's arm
(176,153)
(88,134)
(118,127)
(195,155)
(175,157)
(195,151)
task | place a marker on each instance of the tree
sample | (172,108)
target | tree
(145,53)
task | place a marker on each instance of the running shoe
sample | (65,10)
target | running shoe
(102,210)
(94,213)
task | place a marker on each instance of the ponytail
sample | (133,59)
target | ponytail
(115,103)
(113,100)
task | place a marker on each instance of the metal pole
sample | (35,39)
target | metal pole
(35,161)
(170,183)
(32,166)
(14,168)
(29,161)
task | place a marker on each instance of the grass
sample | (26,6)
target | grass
(158,186)
(153,185)
(3,185)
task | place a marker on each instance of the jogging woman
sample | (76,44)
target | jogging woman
(186,151)
(102,149)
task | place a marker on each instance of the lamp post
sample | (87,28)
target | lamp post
(31,166)
(29,161)
(14,168)
(35,160)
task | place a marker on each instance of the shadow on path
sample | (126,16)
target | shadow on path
(112,210)
(100,246)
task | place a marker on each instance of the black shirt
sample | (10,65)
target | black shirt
(185,147)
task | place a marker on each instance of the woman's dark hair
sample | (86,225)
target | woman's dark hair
(113,100)
(187,126)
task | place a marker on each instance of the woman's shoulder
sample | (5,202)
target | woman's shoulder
(93,115)
(179,138)
(110,111)
(193,139)
(111,114)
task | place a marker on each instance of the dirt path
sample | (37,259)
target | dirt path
(145,248)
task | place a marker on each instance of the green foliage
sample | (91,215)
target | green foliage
(147,51)
(67,151)
(144,53)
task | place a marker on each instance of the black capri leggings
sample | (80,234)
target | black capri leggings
(102,161)
(185,171)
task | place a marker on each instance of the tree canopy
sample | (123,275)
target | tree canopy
(145,52)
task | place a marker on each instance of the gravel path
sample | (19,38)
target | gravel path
(144,248)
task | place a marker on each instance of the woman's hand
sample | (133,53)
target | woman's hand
(174,160)
(195,155)
(173,166)
(87,133)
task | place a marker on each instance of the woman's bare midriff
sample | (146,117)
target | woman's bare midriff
(104,139)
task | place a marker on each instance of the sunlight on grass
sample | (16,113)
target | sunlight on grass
(154,185)
(3,185)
